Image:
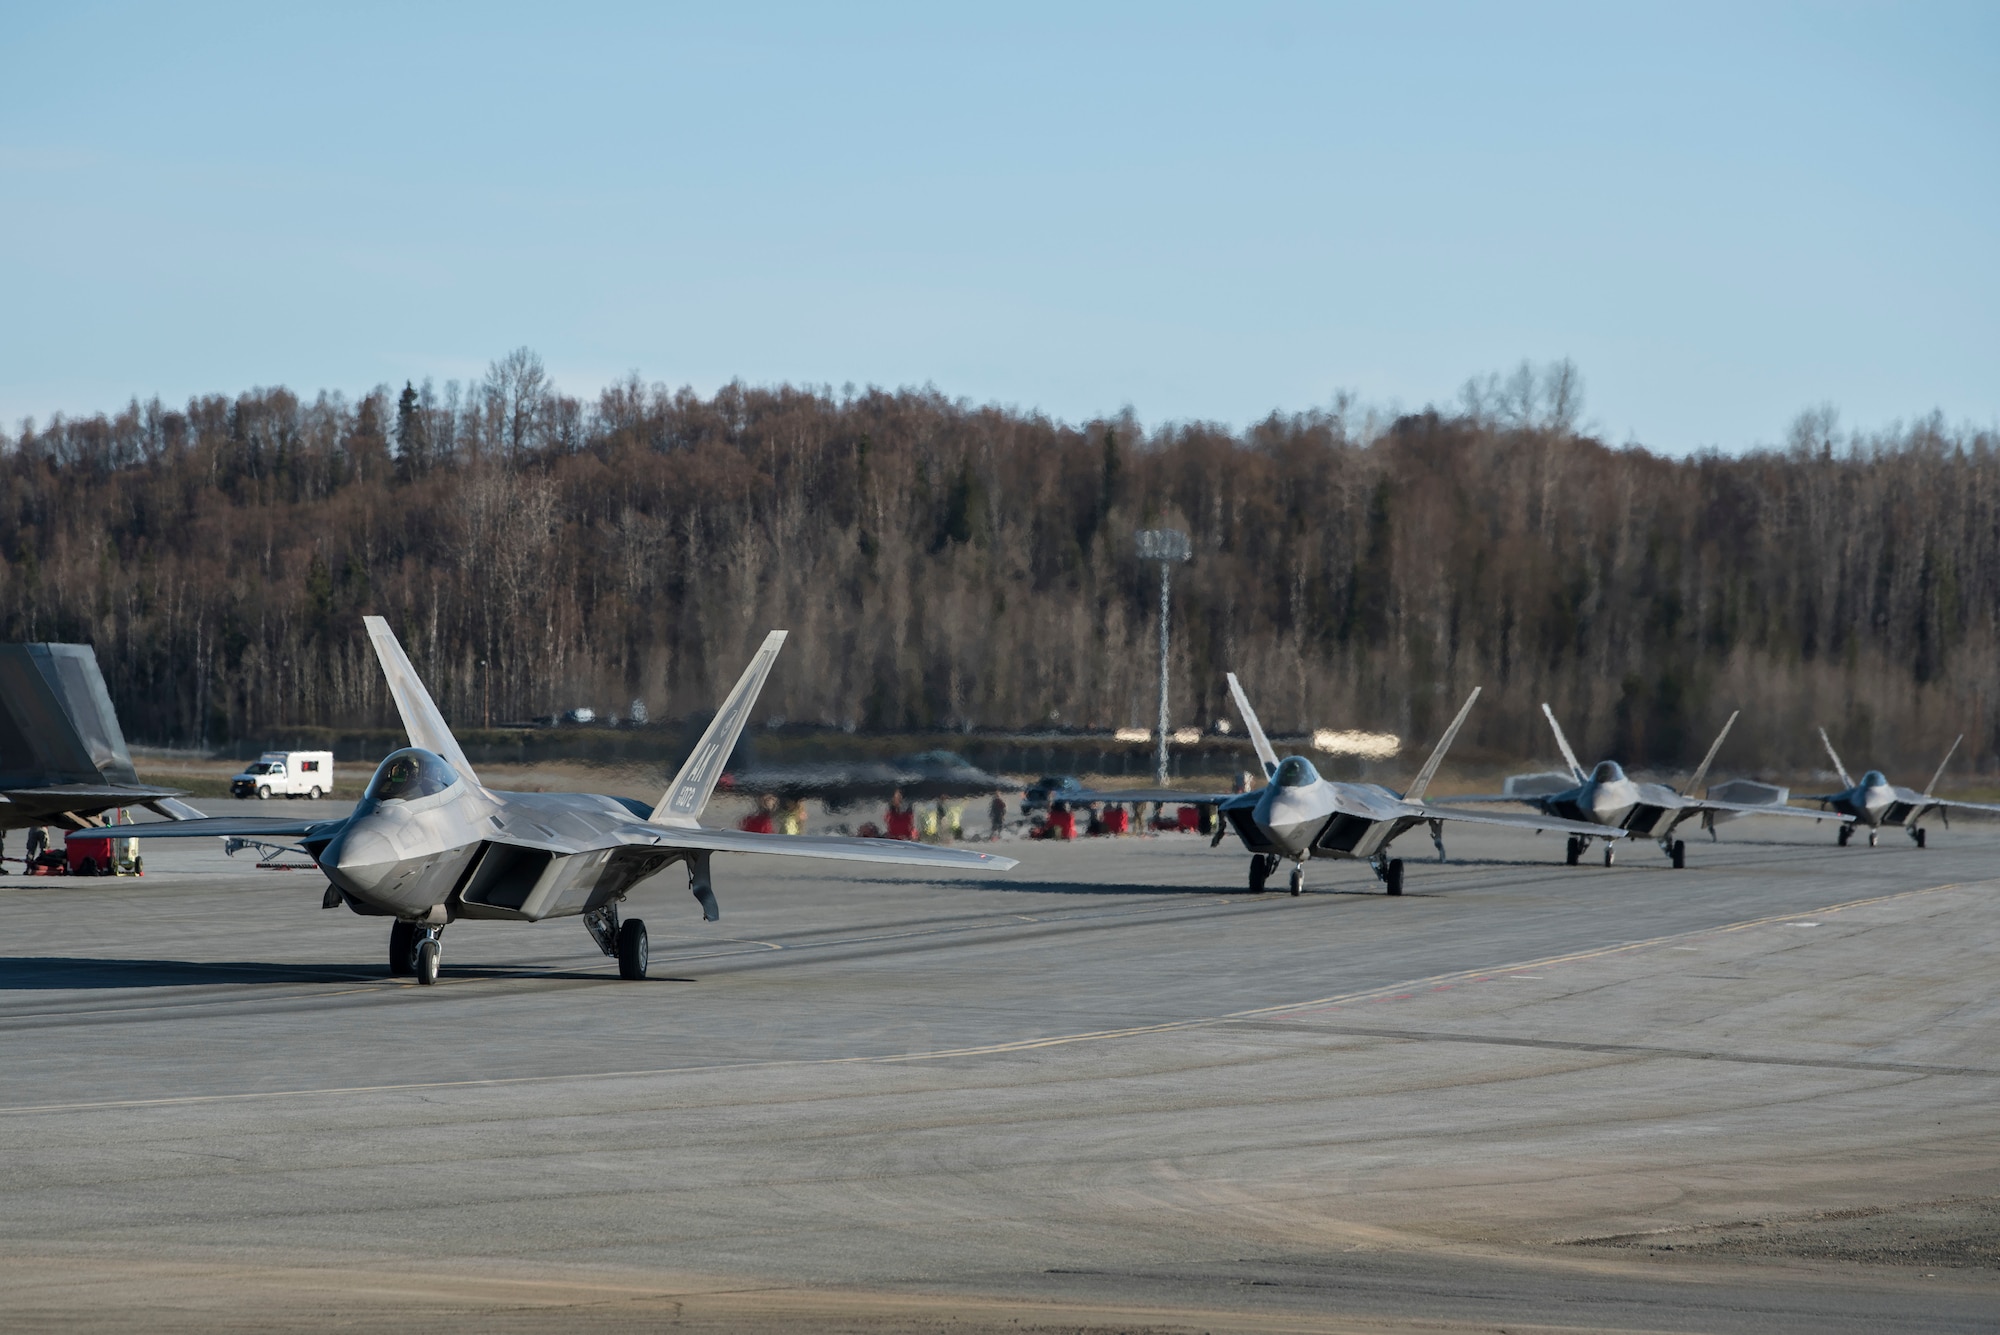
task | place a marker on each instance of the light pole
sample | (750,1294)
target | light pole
(1168,546)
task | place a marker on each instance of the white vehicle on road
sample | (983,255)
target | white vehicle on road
(286,774)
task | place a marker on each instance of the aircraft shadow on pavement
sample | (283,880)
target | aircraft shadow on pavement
(58,973)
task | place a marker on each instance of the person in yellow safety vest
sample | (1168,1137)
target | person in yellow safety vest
(792,818)
(930,823)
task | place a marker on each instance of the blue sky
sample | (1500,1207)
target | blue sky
(1724,214)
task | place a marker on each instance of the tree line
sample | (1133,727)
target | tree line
(943,565)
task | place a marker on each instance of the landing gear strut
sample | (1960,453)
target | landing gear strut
(1437,838)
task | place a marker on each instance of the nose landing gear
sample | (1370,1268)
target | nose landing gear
(1871,838)
(1298,878)
(1610,852)
(415,948)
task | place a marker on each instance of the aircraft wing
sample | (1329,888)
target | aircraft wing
(1964,806)
(837,847)
(1522,798)
(1697,805)
(1176,795)
(246,827)
(91,794)
(1439,811)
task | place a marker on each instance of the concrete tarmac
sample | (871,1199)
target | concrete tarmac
(1110,1090)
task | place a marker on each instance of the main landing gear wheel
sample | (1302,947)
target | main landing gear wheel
(1918,835)
(1261,868)
(428,953)
(1679,853)
(1575,851)
(1298,878)
(402,949)
(1610,854)
(632,949)
(1845,833)
(1392,876)
(1871,838)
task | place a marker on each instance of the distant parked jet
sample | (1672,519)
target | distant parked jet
(1298,815)
(1605,798)
(1876,802)
(428,843)
(63,760)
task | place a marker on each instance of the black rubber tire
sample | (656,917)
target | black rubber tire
(428,955)
(138,866)
(1259,873)
(1871,838)
(632,951)
(1298,879)
(1920,836)
(1679,853)
(1610,854)
(402,945)
(1575,854)
(1393,882)
(264,793)
(1846,833)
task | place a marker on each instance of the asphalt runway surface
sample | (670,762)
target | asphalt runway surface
(1109,1090)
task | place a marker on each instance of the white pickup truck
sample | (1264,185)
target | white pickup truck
(286,774)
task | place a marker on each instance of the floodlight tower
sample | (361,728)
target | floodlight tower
(1168,546)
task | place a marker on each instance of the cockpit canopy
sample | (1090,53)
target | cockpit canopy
(1607,771)
(1874,779)
(1296,772)
(408,774)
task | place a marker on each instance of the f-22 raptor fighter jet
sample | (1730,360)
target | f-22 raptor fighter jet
(1876,802)
(1298,815)
(428,843)
(1606,799)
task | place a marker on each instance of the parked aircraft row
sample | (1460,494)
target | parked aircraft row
(429,843)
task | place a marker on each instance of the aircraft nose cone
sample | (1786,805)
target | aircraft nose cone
(358,861)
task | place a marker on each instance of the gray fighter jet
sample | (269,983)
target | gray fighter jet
(1604,798)
(1298,815)
(63,760)
(428,843)
(1876,802)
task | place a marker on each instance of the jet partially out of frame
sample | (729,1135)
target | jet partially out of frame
(1876,802)
(1297,815)
(1606,800)
(63,760)
(428,843)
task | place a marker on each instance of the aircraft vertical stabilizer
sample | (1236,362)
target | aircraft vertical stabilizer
(56,721)
(1266,757)
(1568,755)
(690,790)
(1941,764)
(422,719)
(1701,770)
(1834,756)
(1430,769)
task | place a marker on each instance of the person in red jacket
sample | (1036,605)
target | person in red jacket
(901,818)
(760,820)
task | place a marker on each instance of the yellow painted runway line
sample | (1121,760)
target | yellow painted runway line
(1401,989)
